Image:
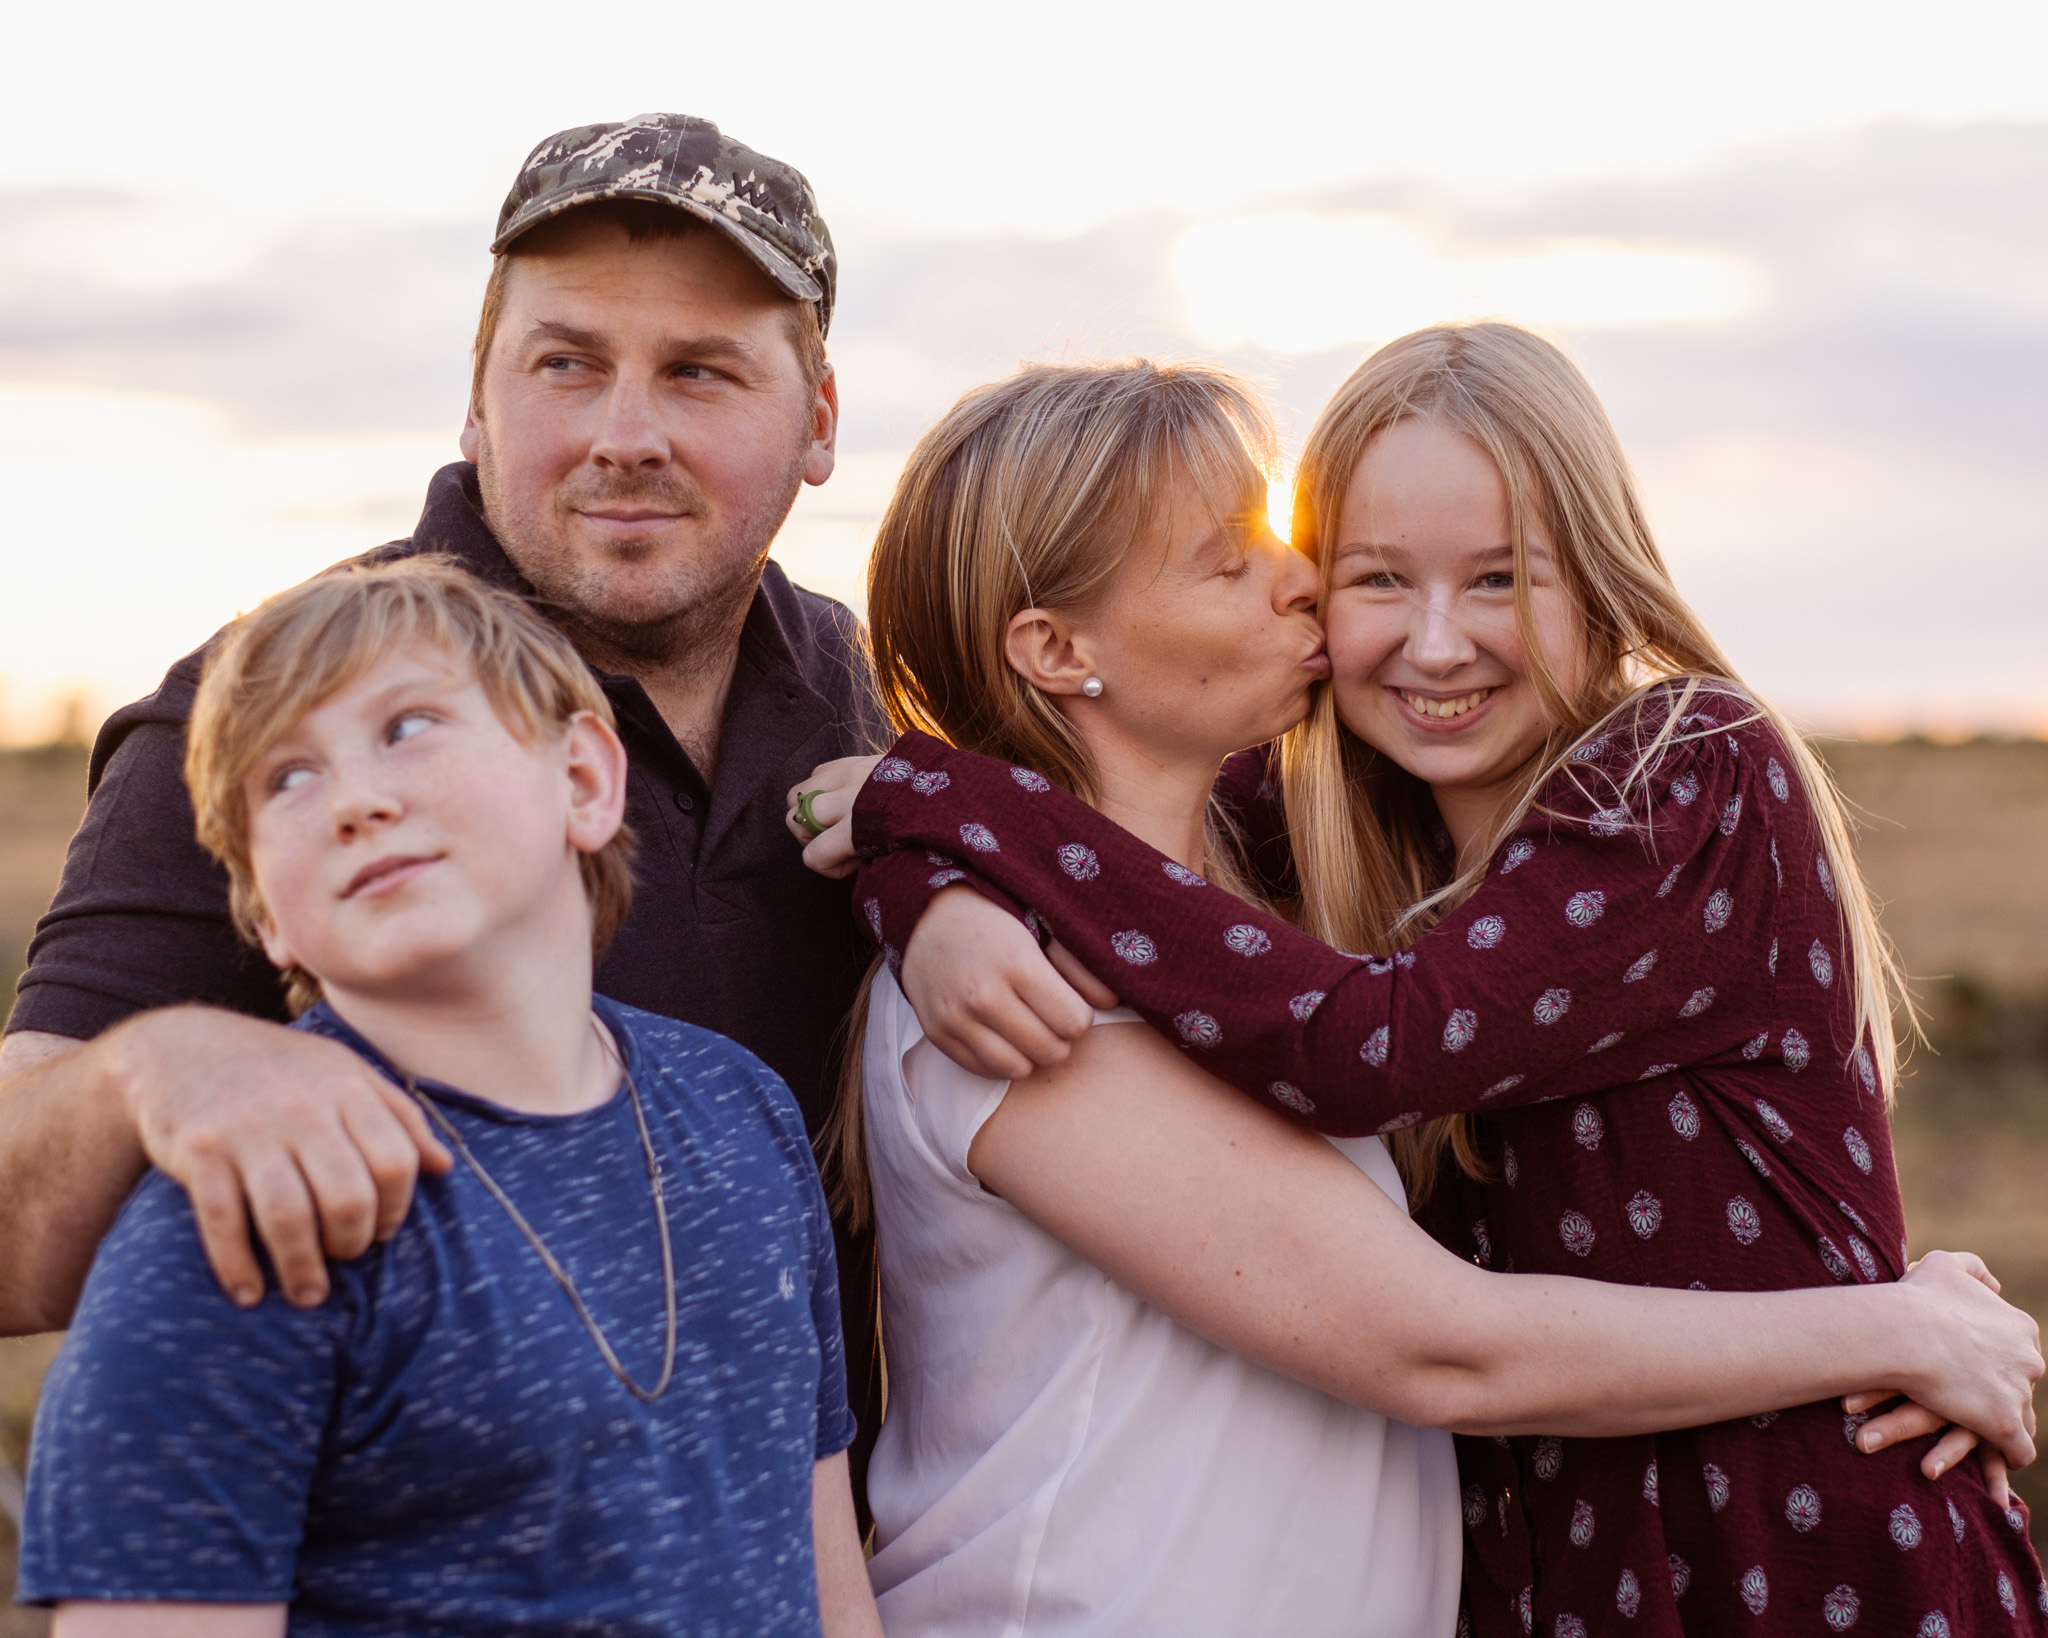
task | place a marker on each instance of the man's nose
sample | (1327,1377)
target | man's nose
(629,435)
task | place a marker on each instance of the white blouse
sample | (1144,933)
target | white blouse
(1060,1458)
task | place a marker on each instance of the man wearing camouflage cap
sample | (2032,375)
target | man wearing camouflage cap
(650,390)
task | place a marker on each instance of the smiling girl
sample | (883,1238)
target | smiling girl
(1626,971)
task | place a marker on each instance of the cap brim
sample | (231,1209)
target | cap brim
(788,277)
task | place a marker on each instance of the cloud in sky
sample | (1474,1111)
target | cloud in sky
(1827,356)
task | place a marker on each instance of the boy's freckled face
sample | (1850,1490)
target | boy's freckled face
(401,826)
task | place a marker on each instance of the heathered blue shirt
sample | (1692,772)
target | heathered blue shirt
(439,1448)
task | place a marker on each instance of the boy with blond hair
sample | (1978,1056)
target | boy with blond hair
(593,1382)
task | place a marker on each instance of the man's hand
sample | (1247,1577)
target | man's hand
(987,997)
(258,1121)
(830,852)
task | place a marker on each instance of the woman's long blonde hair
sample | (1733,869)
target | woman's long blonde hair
(1362,826)
(1032,492)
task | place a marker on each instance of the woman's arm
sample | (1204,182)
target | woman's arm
(1271,1244)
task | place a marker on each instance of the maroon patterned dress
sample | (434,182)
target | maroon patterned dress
(1650,1008)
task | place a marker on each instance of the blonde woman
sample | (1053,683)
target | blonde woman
(1148,1340)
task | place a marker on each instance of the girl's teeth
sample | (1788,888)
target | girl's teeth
(1447,708)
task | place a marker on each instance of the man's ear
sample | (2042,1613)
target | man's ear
(596,768)
(472,434)
(824,450)
(1047,651)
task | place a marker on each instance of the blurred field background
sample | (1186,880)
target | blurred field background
(1952,839)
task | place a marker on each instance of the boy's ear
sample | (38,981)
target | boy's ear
(596,766)
(274,945)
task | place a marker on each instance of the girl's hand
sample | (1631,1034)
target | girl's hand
(1984,1359)
(830,852)
(985,994)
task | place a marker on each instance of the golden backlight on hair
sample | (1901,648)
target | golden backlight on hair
(301,648)
(1361,825)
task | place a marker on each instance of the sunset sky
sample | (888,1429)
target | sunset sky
(1802,248)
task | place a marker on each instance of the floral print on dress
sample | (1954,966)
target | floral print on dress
(1134,947)
(1802,1508)
(1247,940)
(1628,1594)
(1080,862)
(1292,1097)
(930,784)
(1486,932)
(1029,780)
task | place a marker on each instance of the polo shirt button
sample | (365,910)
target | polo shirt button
(686,801)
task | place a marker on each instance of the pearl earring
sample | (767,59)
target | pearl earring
(1092,688)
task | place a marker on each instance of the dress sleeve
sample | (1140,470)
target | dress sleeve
(174,1419)
(1610,941)
(896,888)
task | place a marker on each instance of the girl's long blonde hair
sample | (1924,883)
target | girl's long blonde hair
(1362,826)
(1032,492)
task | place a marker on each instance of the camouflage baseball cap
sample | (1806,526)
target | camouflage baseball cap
(764,206)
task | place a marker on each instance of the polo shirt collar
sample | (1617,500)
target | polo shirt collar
(771,713)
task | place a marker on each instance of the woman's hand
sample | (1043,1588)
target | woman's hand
(834,786)
(1983,1359)
(987,997)
(1913,1420)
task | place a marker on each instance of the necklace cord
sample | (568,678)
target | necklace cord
(656,1188)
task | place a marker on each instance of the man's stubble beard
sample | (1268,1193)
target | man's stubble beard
(693,611)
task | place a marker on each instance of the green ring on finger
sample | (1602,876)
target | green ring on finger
(806,819)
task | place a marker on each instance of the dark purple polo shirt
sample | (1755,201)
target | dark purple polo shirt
(727,930)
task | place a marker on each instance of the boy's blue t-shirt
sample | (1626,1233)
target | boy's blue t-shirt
(439,1448)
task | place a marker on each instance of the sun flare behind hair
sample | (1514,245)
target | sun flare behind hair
(1361,825)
